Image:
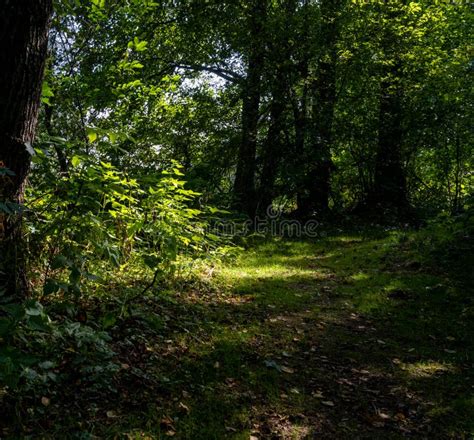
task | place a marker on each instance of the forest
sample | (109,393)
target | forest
(236,219)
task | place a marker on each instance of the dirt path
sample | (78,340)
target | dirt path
(348,337)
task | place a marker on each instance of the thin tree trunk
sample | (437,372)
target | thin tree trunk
(24,36)
(300,114)
(62,161)
(456,208)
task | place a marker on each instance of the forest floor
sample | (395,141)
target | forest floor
(347,336)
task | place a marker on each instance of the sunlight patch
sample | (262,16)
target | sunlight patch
(426,369)
(361,276)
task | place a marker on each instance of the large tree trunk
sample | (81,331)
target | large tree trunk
(244,186)
(281,48)
(389,192)
(24,36)
(272,152)
(314,196)
(389,189)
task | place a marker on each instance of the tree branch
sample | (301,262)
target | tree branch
(228,75)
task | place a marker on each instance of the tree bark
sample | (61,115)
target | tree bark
(314,196)
(279,71)
(24,30)
(389,189)
(388,194)
(272,152)
(244,185)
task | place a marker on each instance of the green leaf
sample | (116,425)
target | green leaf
(75,275)
(50,287)
(75,161)
(47,365)
(38,323)
(6,326)
(5,208)
(91,135)
(59,262)
(152,261)
(6,172)
(16,311)
(33,308)
(46,93)
(109,320)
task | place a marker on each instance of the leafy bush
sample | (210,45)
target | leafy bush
(18,322)
(35,350)
(449,241)
(92,224)
(98,217)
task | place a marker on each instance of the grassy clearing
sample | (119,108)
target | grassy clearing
(353,335)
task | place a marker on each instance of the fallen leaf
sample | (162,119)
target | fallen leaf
(327,403)
(400,417)
(184,407)
(272,364)
(166,421)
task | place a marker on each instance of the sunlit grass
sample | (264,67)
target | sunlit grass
(426,369)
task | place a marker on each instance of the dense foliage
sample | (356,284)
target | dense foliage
(303,100)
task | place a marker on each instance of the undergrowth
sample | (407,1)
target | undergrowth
(349,334)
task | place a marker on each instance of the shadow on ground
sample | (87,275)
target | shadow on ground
(347,337)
